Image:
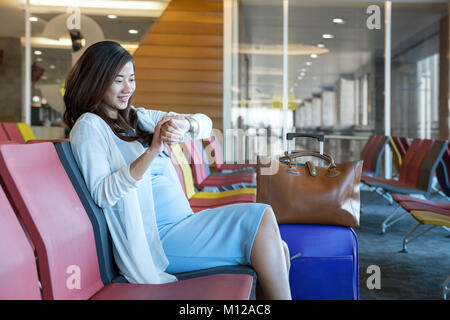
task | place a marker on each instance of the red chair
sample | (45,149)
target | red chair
(425,212)
(217,155)
(18,272)
(200,200)
(372,154)
(405,142)
(402,144)
(368,151)
(64,240)
(3,135)
(416,174)
(12,131)
(409,171)
(202,175)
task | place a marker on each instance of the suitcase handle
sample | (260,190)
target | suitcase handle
(289,158)
(292,135)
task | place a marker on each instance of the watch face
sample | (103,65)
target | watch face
(191,127)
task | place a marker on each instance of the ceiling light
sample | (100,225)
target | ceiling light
(133,31)
(33,19)
(313,56)
(52,66)
(320,45)
(294,49)
(37,52)
(302,74)
(39,59)
(338,21)
(302,69)
(112,16)
(66,43)
(100,7)
(299,78)
(143,5)
(309,63)
(327,36)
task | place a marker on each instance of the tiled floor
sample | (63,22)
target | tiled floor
(417,274)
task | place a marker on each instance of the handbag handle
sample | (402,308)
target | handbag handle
(289,158)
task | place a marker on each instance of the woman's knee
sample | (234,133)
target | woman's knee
(269,221)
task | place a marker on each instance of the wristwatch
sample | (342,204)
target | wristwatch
(191,125)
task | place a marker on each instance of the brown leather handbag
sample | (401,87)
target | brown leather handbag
(309,194)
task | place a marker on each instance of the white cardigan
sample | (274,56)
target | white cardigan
(137,249)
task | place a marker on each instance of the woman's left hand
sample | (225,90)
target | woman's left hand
(174,129)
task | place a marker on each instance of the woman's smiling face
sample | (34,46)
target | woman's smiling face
(119,93)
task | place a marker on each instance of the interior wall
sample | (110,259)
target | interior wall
(179,62)
(444,74)
(11,80)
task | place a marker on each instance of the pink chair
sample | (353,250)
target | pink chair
(18,272)
(63,236)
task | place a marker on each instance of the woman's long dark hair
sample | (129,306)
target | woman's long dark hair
(87,83)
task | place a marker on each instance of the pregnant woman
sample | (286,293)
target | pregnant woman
(120,151)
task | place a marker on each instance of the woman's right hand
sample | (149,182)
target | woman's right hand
(158,145)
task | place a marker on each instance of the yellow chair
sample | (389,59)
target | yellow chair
(397,156)
(25,131)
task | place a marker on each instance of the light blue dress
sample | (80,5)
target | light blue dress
(209,238)
(190,241)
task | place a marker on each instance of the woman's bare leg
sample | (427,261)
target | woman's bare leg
(269,259)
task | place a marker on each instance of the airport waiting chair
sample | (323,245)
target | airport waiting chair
(212,144)
(417,170)
(108,268)
(12,131)
(3,135)
(402,144)
(63,235)
(372,154)
(445,288)
(47,140)
(416,175)
(200,200)
(399,146)
(26,131)
(203,177)
(366,152)
(405,142)
(425,212)
(397,157)
(18,274)
(443,173)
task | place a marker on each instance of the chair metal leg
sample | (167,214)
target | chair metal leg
(406,240)
(385,195)
(387,222)
(448,230)
(439,192)
(445,288)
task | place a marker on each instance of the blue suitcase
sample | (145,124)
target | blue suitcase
(324,261)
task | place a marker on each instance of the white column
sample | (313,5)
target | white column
(285,69)
(227,67)
(26,97)
(387,87)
